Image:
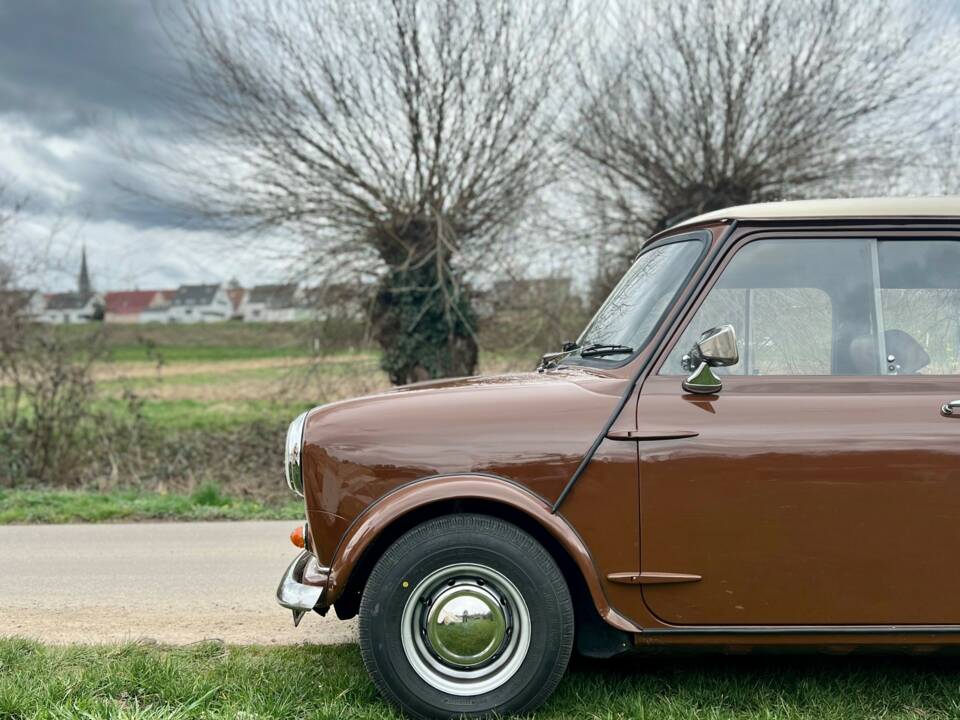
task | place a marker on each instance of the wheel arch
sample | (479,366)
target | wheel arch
(413,503)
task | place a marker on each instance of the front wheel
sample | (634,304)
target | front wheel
(466,615)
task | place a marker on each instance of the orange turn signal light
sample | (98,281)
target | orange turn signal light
(296,537)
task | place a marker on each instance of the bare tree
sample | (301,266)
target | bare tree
(700,104)
(399,138)
(10,295)
(46,386)
(8,213)
(946,162)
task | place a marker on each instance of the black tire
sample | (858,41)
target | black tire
(477,541)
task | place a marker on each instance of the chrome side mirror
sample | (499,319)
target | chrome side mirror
(716,347)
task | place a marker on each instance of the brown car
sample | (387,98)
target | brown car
(755,441)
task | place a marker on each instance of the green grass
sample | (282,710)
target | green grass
(198,415)
(184,414)
(191,353)
(206,378)
(210,680)
(65,506)
(343,365)
(217,341)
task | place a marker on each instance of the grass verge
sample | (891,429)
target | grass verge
(206,503)
(210,680)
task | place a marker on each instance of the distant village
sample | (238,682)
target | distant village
(273,303)
(207,303)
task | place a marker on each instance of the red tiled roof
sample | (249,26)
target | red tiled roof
(130,302)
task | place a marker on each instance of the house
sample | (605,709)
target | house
(129,306)
(28,304)
(72,307)
(530,293)
(525,296)
(274,303)
(160,310)
(199,304)
(340,301)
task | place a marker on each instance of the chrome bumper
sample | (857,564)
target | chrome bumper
(295,595)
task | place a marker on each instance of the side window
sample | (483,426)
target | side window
(920,306)
(790,332)
(799,307)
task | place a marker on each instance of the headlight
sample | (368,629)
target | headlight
(291,463)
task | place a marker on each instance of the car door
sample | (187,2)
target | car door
(821,485)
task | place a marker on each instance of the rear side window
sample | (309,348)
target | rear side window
(920,306)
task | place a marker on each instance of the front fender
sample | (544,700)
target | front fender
(393,506)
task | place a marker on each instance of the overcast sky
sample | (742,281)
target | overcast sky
(80,84)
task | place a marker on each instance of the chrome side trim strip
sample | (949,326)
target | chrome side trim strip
(807,630)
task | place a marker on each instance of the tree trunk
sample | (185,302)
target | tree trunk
(423,319)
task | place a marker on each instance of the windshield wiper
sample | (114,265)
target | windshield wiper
(549,360)
(599,350)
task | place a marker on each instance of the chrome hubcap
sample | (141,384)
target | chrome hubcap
(465,629)
(466,625)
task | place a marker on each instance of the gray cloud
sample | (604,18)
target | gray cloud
(68,65)
(84,86)
(80,82)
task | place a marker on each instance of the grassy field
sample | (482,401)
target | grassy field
(204,395)
(218,376)
(207,502)
(199,407)
(203,411)
(209,680)
(218,341)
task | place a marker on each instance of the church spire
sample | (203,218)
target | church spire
(83,282)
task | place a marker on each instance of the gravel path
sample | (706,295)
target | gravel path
(169,582)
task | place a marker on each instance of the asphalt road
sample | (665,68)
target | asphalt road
(169,582)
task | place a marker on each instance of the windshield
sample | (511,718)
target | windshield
(633,309)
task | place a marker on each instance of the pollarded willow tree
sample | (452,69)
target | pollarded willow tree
(402,137)
(694,105)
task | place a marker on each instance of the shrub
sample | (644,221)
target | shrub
(45,416)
